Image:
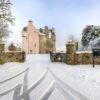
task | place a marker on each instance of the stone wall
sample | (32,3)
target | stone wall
(73,57)
(85,58)
(14,56)
(11,56)
(58,57)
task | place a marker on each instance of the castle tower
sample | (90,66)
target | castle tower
(53,39)
(46,30)
(25,40)
(43,36)
(30,39)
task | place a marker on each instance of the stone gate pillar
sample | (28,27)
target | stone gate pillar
(2,58)
(71,48)
(1,46)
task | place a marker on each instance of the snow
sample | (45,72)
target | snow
(40,79)
(83,52)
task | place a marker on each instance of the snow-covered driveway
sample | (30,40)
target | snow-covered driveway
(40,79)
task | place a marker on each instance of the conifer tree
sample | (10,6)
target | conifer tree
(90,33)
(6,17)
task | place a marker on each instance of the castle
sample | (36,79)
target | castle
(38,40)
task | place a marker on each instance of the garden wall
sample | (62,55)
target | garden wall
(12,56)
(73,57)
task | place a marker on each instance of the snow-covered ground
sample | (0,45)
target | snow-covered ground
(40,79)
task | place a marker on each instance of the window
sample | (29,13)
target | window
(35,45)
(30,51)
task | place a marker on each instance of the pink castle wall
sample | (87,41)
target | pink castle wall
(30,43)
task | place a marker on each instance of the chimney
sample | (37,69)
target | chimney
(30,22)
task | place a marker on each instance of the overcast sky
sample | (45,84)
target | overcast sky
(66,16)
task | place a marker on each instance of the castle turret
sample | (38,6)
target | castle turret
(53,36)
(46,30)
(52,40)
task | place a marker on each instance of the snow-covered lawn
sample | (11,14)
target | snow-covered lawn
(40,79)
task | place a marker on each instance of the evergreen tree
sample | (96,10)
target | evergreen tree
(6,17)
(90,33)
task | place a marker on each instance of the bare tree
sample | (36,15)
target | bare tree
(72,38)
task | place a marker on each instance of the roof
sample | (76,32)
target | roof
(25,29)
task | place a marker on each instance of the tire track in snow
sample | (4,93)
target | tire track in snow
(12,89)
(25,86)
(8,91)
(14,76)
(17,91)
(68,92)
(73,92)
(33,86)
(48,91)
(64,92)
